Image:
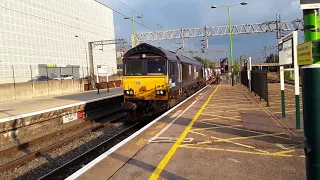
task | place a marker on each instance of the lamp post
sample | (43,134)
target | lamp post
(85,47)
(230,35)
(133,30)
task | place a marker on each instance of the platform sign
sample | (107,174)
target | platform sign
(309,4)
(285,52)
(305,53)
(69,118)
(102,69)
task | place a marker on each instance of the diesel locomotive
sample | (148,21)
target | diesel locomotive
(155,80)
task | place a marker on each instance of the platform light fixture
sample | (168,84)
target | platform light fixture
(230,34)
(133,29)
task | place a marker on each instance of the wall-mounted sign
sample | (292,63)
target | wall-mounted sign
(309,4)
(305,53)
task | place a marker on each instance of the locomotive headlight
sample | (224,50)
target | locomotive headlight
(160,92)
(128,92)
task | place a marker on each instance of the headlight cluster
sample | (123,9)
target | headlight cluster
(128,92)
(160,92)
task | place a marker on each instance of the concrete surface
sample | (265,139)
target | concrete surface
(232,138)
(18,107)
(27,90)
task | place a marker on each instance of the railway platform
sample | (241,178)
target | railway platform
(14,109)
(25,120)
(219,133)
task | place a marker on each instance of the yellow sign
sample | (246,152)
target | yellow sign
(305,53)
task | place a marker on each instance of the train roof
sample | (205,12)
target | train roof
(147,48)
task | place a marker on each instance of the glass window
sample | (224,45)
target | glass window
(133,67)
(156,67)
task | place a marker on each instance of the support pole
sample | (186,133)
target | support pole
(230,38)
(249,73)
(182,38)
(296,78)
(283,105)
(311,99)
(92,83)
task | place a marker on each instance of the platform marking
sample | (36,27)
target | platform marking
(235,143)
(233,118)
(240,151)
(243,129)
(175,114)
(249,137)
(169,140)
(174,120)
(156,173)
(233,110)
(141,142)
(208,128)
(123,142)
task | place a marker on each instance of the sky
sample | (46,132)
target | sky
(173,14)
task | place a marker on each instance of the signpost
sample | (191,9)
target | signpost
(287,56)
(103,70)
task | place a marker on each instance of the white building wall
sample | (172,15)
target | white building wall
(36,32)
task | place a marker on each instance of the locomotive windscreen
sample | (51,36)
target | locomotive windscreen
(156,67)
(133,68)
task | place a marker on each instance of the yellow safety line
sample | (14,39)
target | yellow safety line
(156,173)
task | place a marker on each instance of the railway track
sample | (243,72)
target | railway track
(72,166)
(85,128)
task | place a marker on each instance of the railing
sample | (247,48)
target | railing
(259,83)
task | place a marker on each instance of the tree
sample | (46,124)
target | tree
(119,60)
(236,69)
(272,58)
(208,63)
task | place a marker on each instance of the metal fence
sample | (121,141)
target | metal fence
(259,83)
(33,73)
(244,78)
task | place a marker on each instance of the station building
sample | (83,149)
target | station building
(39,34)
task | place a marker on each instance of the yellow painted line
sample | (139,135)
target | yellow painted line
(239,151)
(239,144)
(249,137)
(283,152)
(191,131)
(243,145)
(156,173)
(227,118)
(243,129)
(208,128)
